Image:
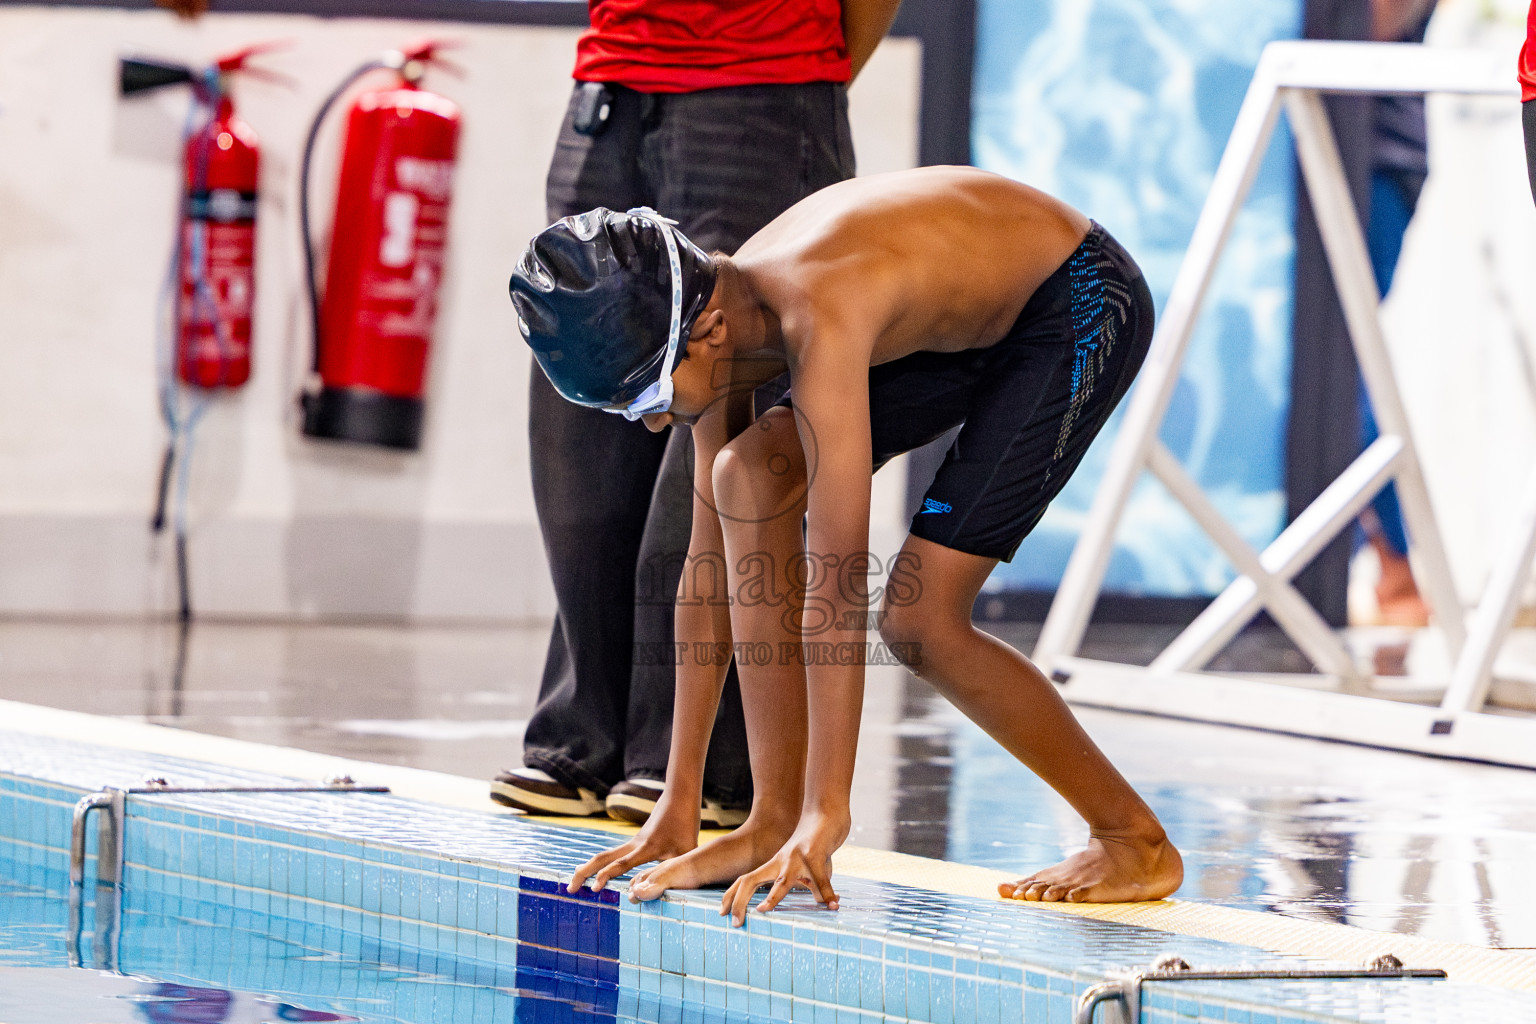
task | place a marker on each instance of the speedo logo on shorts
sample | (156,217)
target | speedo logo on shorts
(932,506)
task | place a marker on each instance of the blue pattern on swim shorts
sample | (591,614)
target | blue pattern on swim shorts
(1099,310)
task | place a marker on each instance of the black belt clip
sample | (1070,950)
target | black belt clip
(594,104)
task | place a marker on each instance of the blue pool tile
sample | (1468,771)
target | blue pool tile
(714,953)
(826,975)
(941,998)
(894,999)
(693,949)
(917,994)
(650,941)
(989,996)
(224,859)
(871,984)
(848,981)
(965,1008)
(781,967)
(467,911)
(760,968)
(738,957)
(738,998)
(672,946)
(488,915)
(804,960)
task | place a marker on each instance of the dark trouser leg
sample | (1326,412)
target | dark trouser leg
(1528,118)
(592,480)
(723,163)
(1393,200)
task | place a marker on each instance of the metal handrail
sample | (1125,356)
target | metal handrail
(1126,988)
(109,852)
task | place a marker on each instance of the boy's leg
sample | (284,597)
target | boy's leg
(1038,398)
(760,491)
(1128,857)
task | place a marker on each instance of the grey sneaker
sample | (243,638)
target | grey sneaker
(538,792)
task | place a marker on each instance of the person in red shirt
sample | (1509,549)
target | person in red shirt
(1528,94)
(724,113)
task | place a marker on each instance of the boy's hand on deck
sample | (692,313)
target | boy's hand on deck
(805,862)
(666,834)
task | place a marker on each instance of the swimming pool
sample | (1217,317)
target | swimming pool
(387,909)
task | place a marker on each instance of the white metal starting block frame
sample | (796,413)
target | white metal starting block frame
(1293,76)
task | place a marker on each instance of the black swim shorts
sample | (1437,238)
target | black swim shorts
(1030,405)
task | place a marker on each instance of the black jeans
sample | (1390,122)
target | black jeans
(1528,123)
(614,500)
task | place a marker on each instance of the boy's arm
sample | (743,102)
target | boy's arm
(703,625)
(831,393)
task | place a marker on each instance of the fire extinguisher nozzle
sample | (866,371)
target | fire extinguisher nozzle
(138,74)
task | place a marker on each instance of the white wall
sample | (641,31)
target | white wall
(280,526)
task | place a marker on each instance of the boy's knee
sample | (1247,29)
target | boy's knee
(903,631)
(759,475)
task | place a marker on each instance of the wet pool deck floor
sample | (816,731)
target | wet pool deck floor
(1311,830)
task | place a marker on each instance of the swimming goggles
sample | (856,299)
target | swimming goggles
(658,396)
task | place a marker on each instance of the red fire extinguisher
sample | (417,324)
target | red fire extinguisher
(374,329)
(216,244)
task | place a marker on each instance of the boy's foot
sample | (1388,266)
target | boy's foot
(537,792)
(1114,869)
(634,801)
(724,860)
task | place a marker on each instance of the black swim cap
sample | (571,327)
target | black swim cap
(594,300)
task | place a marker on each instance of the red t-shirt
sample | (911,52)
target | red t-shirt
(1528,58)
(687,45)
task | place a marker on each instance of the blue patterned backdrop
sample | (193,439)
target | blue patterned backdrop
(1122,108)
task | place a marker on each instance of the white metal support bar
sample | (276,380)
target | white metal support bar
(1290,552)
(1293,76)
(1359,296)
(1312,633)
(1473,673)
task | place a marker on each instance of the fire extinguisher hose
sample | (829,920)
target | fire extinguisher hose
(311,280)
(181,423)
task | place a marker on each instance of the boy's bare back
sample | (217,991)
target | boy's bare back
(941,260)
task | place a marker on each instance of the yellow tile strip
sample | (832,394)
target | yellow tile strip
(1507,968)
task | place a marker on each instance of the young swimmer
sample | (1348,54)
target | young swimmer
(901,305)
